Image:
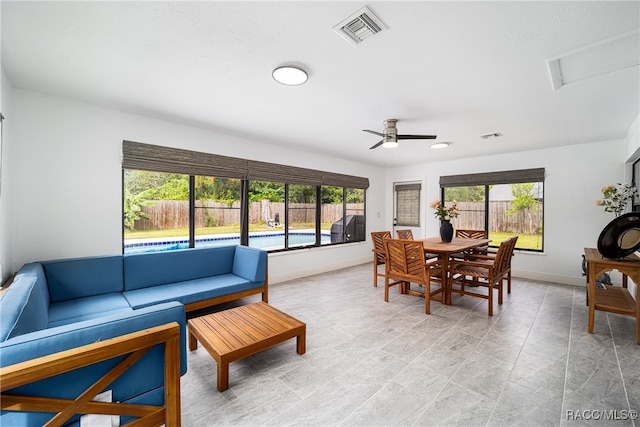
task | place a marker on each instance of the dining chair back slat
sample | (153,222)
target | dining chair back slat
(472,234)
(378,253)
(405,234)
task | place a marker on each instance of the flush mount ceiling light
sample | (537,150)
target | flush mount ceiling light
(290,75)
(439,145)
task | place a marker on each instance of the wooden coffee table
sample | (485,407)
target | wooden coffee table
(239,332)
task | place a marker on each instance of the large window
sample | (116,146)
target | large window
(163,209)
(506,204)
(156,210)
(217,210)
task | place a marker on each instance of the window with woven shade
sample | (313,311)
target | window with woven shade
(175,198)
(408,205)
(504,204)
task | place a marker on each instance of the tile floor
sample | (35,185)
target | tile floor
(371,363)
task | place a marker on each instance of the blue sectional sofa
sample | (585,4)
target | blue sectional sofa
(53,306)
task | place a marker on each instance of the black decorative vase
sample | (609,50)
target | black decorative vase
(446,231)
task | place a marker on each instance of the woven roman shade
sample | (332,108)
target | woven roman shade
(408,204)
(136,155)
(262,171)
(349,181)
(491,178)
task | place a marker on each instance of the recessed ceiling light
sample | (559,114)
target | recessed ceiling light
(439,145)
(290,76)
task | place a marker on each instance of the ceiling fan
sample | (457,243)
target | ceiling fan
(390,135)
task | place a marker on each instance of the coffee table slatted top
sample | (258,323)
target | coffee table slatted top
(242,327)
(239,332)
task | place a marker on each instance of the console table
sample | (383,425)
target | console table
(614,299)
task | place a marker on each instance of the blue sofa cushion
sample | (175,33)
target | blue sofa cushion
(189,291)
(152,269)
(77,310)
(84,277)
(145,375)
(250,263)
(25,304)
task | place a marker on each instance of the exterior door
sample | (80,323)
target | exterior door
(406,207)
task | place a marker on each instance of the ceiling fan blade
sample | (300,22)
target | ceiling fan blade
(377,145)
(373,132)
(417,136)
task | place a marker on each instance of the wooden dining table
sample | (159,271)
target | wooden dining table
(435,245)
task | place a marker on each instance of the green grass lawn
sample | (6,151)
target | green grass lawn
(525,241)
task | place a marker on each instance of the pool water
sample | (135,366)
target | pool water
(262,241)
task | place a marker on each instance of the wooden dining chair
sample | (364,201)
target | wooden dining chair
(405,234)
(486,251)
(378,253)
(485,271)
(406,264)
(408,235)
(472,234)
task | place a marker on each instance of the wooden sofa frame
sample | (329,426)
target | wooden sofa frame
(135,345)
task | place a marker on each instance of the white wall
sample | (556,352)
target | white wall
(61,187)
(65,161)
(632,141)
(573,178)
(5,252)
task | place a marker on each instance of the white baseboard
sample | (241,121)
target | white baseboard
(312,270)
(548,277)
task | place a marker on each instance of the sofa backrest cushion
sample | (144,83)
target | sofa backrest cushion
(250,263)
(24,306)
(159,268)
(84,277)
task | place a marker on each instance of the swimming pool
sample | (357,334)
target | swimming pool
(266,240)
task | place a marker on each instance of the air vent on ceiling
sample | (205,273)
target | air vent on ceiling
(491,135)
(360,26)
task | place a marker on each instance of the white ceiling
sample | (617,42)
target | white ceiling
(454,69)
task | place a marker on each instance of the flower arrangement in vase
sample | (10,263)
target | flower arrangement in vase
(445,214)
(615,197)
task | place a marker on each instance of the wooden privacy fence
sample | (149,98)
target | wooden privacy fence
(472,215)
(168,214)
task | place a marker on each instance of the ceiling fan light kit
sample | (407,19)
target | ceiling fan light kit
(390,144)
(390,135)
